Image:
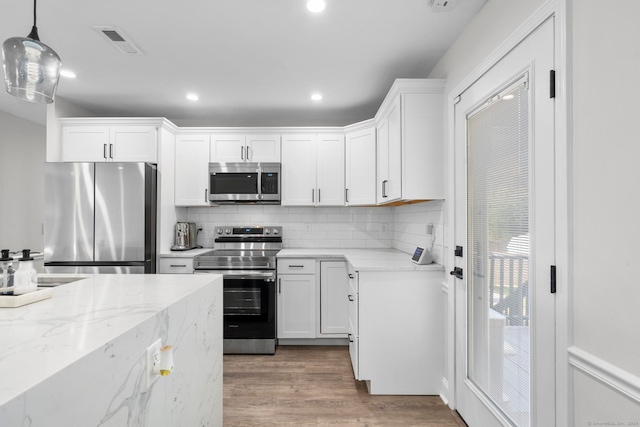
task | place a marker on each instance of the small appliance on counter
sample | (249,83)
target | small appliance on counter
(185,237)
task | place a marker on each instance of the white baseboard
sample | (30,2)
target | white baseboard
(614,377)
(444,393)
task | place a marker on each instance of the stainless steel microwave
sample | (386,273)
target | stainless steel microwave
(244,183)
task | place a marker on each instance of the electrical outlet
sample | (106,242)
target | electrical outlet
(384,229)
(153,360)
(307,228)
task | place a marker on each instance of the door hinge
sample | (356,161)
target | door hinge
(553,279)
(552,83)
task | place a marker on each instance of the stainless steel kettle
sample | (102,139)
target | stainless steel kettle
(185,237)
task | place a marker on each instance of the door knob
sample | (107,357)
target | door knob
(457,271)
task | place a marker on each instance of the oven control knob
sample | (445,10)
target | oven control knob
(267,231)
(219,230)
(276,231)
(227,231)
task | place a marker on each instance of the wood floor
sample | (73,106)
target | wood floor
(314,386)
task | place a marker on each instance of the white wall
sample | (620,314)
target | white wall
(606,208)
(22,153)
(410,228)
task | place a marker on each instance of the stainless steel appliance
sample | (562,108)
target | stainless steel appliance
(185,237)
(100,218)
(246,257)
(244,183)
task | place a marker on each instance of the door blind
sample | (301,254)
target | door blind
(498,237)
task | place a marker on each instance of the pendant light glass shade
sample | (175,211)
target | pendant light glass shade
(31,68)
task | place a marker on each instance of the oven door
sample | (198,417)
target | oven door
(249,304)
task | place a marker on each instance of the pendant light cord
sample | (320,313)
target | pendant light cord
(34,30)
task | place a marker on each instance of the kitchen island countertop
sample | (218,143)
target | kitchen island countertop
(40,340)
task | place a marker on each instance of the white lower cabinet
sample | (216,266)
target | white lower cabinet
(296,298)
(334,314)
(396,331)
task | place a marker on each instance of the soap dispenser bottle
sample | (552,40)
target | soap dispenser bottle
(26,278)
(6,272)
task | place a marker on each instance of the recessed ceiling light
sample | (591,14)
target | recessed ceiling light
(192,97)
(68,74)
(316,96)
(316,6)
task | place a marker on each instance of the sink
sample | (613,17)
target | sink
(51,281)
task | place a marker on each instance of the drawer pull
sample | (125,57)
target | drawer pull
(296,266)
(350,340)
(181,265)
(350,297)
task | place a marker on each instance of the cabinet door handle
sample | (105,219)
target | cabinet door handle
(178,265)
(313,195)
(351,276)
(247,151)
(318,195)
(111,151)
(104,151)
(242,153)
(279,286)
(348,296)
(384,188)
(350,340)
(346,195)
(206,195)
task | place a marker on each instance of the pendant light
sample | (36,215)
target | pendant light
(31,68)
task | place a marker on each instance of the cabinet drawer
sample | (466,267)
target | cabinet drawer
(177,265)
(297,266)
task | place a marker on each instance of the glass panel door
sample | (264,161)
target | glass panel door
(498,211)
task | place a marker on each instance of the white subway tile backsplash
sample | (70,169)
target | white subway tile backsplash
(333,227)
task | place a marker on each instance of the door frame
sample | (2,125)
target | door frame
(560,10)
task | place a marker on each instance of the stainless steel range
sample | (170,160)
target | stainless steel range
(246,257)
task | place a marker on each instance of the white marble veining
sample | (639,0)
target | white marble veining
(79,357)
(363,259)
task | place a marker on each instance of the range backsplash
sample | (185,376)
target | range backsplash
(402,227)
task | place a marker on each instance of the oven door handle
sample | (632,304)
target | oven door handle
(242,274)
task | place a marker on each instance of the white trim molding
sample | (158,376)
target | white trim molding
(612,376)
(445,391)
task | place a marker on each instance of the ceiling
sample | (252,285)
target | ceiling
(252,62)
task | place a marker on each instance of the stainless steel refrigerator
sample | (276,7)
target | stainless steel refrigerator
(100,218)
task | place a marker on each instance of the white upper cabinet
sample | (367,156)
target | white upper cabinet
(95,143)
(410,144)
(313,170)
(299,170)
(263,148)
(192,170)
(245,148)
(360,165)
(330,170)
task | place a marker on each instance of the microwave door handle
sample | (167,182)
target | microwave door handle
(259,183)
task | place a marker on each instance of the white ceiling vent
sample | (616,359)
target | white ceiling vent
(118,39)
(439,6)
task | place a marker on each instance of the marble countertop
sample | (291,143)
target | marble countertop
(41,339)
(184,254)
(363,259)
